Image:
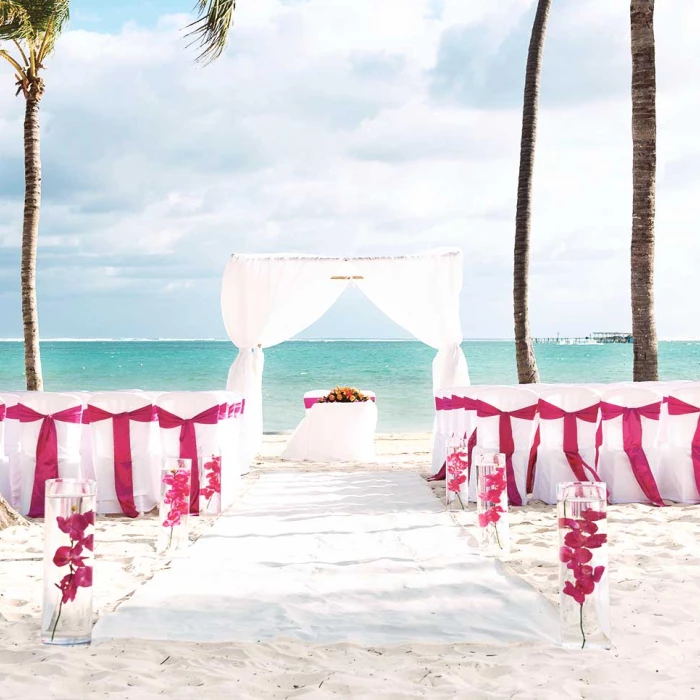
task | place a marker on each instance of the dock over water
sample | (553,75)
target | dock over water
(592,339)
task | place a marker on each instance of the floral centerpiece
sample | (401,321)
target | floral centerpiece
(583,564)
(343,394)
(69,525)
(174,503)
(492,504)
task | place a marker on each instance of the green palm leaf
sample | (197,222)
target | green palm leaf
(210,30)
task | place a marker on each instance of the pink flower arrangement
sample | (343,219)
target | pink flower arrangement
(177,497)
(494,487)
(576,554)
(73,556)
(212,471)
(456,464)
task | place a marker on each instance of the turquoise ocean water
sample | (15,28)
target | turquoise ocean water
(399,372)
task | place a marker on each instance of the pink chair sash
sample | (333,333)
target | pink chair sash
(311,400)
(46,448)
(464,402)
(233,409)
(188,442)
(578,465)
(3,411)
(632,443)
(123,464)
(676,407)
(505,439)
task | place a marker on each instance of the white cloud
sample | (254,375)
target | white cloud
(350,128)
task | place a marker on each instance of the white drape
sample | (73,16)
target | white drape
(267,299)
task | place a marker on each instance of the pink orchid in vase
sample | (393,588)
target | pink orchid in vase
(75,557)
(576,553)
(491,497)
(456,477)
(177,497)
(212,476)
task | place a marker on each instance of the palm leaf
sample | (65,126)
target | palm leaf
(36,22)
(210,30)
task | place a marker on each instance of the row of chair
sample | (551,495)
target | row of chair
(116,438)
(642,440)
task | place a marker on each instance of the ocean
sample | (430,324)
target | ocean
(399,372)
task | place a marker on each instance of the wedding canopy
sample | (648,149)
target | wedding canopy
(267,299)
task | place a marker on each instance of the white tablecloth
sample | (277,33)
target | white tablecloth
(334,432)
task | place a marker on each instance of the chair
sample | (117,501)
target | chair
(57,454)
(568,424)
(233,462)
(189,425)
(9,450)
(443,429)
(506,422)
(679,454)
(125,452)
(628,460)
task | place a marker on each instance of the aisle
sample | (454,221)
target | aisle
(367,557)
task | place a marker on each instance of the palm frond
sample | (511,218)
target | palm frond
(36,22)
(210,30)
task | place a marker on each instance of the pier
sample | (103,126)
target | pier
(592,339)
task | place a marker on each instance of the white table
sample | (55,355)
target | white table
(334,432)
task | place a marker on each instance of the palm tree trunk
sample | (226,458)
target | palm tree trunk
(646,360)
(524,353)
(30,236)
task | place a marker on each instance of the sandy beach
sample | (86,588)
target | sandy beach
(654,584)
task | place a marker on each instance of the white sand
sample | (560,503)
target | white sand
(655,594)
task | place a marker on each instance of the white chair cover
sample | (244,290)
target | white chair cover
(614,464)
(68,438)
(145,452)
(523,431)
(552,466)
(10,480)
(677,475)
(342,432)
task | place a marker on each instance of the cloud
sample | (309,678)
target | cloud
(381,128)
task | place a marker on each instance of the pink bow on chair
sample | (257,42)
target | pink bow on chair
(505,439)
(123,464)
(46,448)
(676,407)
(188,442)
(578,465)
(632,443)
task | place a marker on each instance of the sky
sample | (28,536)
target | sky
(348,128)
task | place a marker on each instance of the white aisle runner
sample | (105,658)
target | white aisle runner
(368,557)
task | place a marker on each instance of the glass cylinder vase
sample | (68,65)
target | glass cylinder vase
(456,482)
(584,605)
(69,527)
(174,508)
(210,483)
(492,504)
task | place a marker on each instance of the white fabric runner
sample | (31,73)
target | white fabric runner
(369,558)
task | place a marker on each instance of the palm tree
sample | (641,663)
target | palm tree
(524,353)
(210,30)
(32,26)
(646,349)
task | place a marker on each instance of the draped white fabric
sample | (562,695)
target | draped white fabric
(267,299)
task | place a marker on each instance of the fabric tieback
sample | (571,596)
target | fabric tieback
(676,407)
(123,462)
(46,448)
(505,440)
(188,442)
(578,465)
(632,443)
